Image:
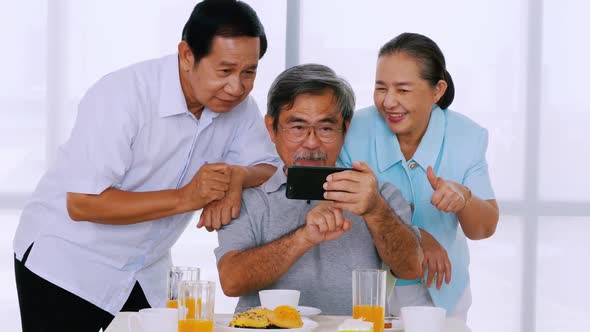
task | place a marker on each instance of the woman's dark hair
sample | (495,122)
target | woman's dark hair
(313,79)
(226,18)
(430,58)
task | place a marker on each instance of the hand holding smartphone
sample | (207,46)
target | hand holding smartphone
(307,182)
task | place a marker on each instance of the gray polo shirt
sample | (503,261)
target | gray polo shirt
(324,273)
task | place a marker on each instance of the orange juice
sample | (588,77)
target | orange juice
(370,313)
(195,325)
(192,307)
(172,304)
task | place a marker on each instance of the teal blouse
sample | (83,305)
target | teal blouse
(455,147)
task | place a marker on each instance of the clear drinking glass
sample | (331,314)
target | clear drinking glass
(196,306)
(368,296)
(175,276)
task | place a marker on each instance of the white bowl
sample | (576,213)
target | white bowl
(272,298)
(423,319)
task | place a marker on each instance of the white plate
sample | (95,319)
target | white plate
(308,311)
(222,325)
(396,325)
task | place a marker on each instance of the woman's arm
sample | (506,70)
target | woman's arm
(478,217)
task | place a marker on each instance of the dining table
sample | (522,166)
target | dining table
(325,323)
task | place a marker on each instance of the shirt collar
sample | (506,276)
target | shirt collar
(172,101)
(427,151)
(431,143)
(276,180)
(388,155)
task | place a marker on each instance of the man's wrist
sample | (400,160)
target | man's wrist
(379,211)
(183,203)
(301,239)
(238,175)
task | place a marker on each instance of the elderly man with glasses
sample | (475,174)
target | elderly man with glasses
(313,246)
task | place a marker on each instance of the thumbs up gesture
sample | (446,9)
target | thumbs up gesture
(448,196)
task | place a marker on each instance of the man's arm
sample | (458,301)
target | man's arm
(221,212)
(396,243)
(242,272)
(253,176)
(357,192)
(118,207)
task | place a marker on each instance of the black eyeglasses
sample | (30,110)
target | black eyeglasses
(327,133)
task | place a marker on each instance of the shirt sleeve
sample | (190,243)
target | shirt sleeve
(477,178)
(251,144)
(394,197)
(238,234)
(98,152)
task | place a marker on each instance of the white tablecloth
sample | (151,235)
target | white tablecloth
(326,323)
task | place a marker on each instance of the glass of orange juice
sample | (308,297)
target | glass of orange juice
(368,296)
(196,305)
(175,276)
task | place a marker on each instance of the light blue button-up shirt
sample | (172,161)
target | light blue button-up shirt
(455,147)
(133,132)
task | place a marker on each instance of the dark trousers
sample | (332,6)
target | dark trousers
(45,307)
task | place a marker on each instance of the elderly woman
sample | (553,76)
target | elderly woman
(436,157)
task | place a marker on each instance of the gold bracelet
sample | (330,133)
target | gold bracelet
(468,200)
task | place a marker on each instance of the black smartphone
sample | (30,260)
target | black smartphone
(307,182)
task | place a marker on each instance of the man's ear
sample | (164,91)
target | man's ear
(186,57)
(268,121)
(346,126)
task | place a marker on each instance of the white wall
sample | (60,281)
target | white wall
(531,272)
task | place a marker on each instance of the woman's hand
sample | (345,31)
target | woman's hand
(436,261)
(448,196)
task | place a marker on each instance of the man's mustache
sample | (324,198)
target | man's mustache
(311,155)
